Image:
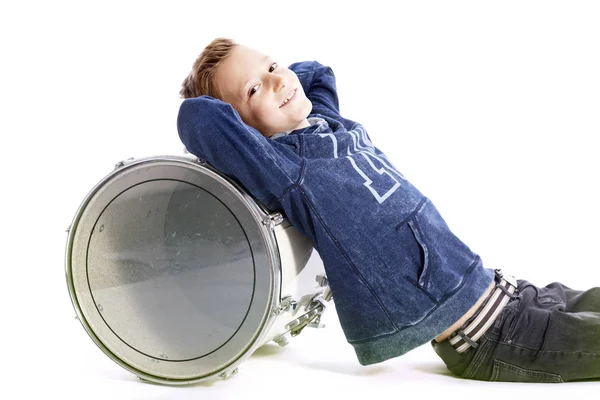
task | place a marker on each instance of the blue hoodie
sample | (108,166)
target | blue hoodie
(398,275)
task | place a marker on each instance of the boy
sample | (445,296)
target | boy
(399,276)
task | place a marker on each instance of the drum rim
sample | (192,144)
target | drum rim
(258,211)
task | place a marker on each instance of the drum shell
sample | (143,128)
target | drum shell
(298,281)
(289,252)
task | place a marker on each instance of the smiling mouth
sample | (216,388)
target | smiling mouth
(288,98)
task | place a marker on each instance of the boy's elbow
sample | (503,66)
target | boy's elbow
(188,121)
(183,119)
(200,119)
(191,113)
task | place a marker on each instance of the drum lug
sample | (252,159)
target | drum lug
(321,299)
(273,220)
(322,280)
(312,317)
(228,374)
(287,303)
(122,162)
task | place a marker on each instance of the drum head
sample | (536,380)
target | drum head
(171,270)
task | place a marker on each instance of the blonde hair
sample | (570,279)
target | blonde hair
(201,80)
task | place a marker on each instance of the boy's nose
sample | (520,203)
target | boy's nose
(279,82)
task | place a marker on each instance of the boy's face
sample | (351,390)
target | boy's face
(257,87)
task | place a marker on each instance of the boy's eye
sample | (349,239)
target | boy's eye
(254,88)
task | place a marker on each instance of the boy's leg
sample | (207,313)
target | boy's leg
(548,334)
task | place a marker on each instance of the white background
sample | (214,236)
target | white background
(492,109)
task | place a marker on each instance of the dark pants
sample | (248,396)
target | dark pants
(549,334)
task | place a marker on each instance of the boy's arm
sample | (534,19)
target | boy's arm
(318,82)
(213,130)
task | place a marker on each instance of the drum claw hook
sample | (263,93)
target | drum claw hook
(123,162)
(228,374)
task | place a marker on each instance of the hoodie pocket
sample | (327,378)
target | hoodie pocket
(423,252)
(445,259)
(412,249)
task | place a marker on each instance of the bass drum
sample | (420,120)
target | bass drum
(178,274)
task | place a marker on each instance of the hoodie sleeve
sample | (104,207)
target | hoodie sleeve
(318,83)
(214,131)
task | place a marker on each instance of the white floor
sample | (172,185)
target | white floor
(316,364)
